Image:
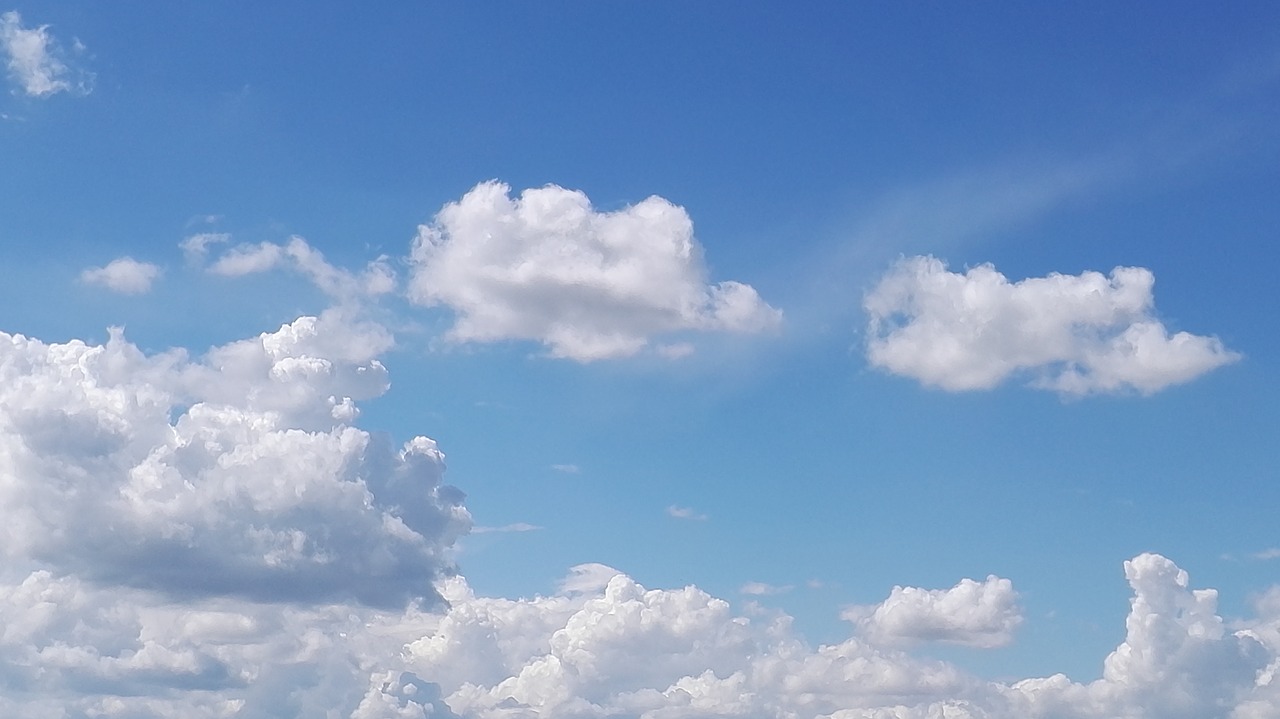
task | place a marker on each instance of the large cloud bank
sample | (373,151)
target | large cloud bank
(589,285)
(1075,334)
(215,537)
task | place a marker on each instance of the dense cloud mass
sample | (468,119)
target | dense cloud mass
(236,474)
(589,285)
(1075,334)
(214,537)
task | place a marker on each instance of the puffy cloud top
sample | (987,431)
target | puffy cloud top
(1078,334)
(236,474)
(589,285)
(979,614)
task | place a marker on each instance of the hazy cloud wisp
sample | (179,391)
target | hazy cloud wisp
(35,61)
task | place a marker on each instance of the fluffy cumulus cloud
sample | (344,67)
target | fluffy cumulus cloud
(124,275)
(35,61)
(607,647)
(589,285)
(1075,334)
(239,473)
(214,536)
(979,614)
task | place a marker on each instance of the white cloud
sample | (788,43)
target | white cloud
(588,285)
(1177,661)
(761,589)
(1272,553)
(516,527)
(214,537)
(977,614)
(1075,334)
(685,513)
(196,247)
(236,474)
(35,61)
(622,650)
(567,468)
(124,275)
(377,278)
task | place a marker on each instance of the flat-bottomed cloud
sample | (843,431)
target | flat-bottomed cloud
(1074,334)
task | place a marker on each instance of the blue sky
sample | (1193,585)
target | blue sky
(790,305)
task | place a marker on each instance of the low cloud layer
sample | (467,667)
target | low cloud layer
(1074,334)
(215,537)
(35,61)
(589,285)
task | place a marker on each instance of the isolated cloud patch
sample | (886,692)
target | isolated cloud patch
(237,474)
(377,278)
(978,614)
(589,285)
(1075,334)
(124,275)
(35,61)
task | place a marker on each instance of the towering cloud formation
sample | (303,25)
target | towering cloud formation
(1076,334)
(589,285)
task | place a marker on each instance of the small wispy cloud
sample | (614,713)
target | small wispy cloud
(761,589)
(685,513)
(567,468)
(35,60)
(1272,553)
(517,527)
(377,278)
(196,247)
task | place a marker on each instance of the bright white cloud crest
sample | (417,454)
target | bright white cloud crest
(1078,334)
(589,285)
(32,58)
(124,275)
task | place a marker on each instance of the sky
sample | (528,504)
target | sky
(662,361)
